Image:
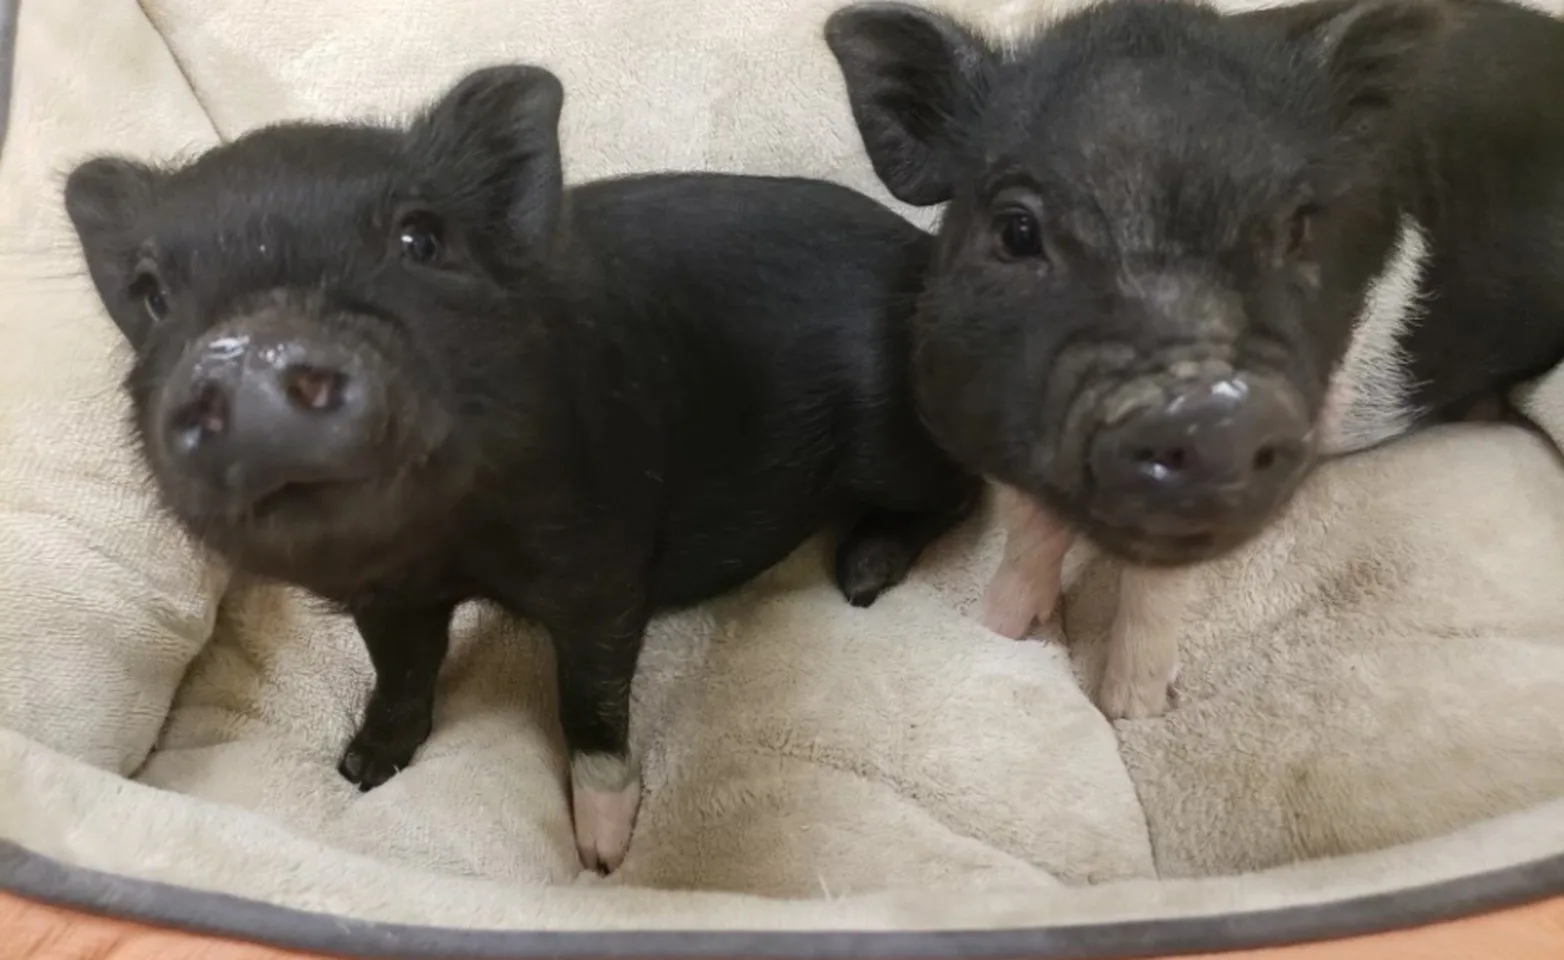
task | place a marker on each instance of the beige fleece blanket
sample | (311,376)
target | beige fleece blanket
(1385,668)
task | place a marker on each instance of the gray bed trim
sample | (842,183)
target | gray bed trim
(40,879)
(8,13)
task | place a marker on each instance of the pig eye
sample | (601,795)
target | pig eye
(1019,235)
(147,288)
(419,236)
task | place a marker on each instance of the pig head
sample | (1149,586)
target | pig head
(1160,225)
(295,301)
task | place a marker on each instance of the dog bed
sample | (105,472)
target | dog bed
(1369,735)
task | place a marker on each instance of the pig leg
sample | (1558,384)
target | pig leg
(1142,660)
(1026,585)
(406,645)
(596,657)
(895,527)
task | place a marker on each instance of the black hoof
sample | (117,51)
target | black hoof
(868,565)
(380,752)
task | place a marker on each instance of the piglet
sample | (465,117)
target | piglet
(1186,255)
(404,368)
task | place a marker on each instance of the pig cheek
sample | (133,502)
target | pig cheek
(416,402)
(945,408)
(967,405)
(148,394)
(941,367)
(1073,410)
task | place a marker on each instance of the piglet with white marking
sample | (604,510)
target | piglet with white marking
(405,368)
(1187,254)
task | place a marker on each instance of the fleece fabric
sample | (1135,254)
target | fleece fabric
(1372,693)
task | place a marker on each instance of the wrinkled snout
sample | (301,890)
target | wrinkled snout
(255,413)
(1208,459)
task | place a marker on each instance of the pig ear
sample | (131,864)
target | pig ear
(497,130)
(913,77)
(1373,53)
(104,198)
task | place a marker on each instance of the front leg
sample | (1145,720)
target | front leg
(407,644)
(1142,660)
(597,651)
(1025,587)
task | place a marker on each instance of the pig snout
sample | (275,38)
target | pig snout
(1201,455)
(256,414)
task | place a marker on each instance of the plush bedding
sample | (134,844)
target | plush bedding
(1372,695)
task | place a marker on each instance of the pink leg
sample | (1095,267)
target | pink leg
(1026,585)
(1142,660)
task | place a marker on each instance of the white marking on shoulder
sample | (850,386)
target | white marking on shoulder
(1369,397)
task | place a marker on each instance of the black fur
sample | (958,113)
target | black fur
(1211,189)
(598,403)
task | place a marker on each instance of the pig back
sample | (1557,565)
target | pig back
(763,323)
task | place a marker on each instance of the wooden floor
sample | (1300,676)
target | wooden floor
(30,931)
(1527,933)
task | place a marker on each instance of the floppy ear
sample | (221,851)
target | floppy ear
(914,77)
(104,198)
(497,131)
(1373,53)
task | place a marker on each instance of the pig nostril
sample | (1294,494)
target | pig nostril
(1265,458)
(206,414)
(314,389)
(213,407)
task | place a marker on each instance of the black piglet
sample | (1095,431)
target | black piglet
(405,368)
